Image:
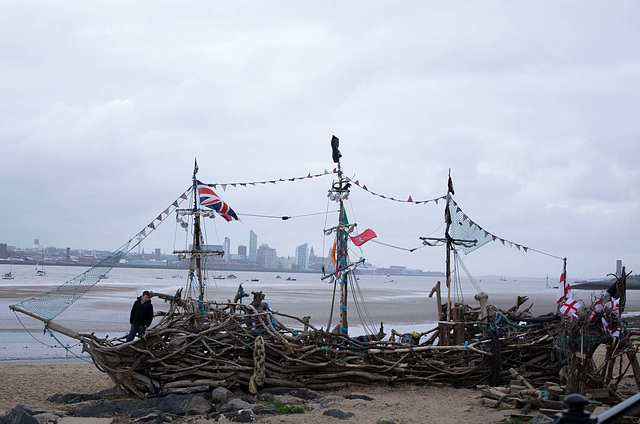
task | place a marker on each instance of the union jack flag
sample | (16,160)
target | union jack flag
(211,200)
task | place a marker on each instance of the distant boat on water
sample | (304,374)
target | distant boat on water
(291,279)
(231,277)
(9,275)
(255,279)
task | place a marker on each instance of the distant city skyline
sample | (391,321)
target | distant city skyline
(267,258)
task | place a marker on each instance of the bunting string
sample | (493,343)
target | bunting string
(153,225)
(279,180)
(409,199)
(464,228)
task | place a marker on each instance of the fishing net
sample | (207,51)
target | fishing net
(52,303)
(467,235)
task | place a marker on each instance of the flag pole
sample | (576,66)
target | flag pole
(447,214)
(564,272)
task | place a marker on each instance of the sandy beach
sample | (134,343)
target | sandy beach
(31,385)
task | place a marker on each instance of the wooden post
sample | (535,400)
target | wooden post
(436,289)
(482,297)
(633,359)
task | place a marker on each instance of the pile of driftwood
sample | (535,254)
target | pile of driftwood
(232,344)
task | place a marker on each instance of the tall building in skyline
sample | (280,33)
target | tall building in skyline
(267,257)
(242,251)
(302,256)
(253,246)
(227,249)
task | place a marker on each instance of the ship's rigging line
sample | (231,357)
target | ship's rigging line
(286,217)
(367,324)
(459,261)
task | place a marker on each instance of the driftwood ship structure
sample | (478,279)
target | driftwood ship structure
(198,344)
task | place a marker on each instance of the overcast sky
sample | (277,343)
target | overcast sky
(532,105)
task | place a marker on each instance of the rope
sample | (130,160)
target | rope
(459,261)
(286,217)
(398,247)
(259,356)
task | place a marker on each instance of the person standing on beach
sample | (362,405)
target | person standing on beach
(141,316)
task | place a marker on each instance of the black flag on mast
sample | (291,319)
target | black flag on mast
(334,147)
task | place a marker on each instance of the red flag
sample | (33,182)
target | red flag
(363,237)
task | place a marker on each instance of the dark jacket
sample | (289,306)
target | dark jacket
(141,313)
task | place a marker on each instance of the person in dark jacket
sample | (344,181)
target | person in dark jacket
(141,316)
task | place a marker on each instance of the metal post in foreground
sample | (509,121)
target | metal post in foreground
(575,414)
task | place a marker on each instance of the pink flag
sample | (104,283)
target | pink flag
(363,237)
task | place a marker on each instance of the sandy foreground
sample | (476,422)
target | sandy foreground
(30,385)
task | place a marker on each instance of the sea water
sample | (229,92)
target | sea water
(401,302)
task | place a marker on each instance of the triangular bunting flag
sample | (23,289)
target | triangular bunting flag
(494,237)
(365,187)
(357,183)
(326,172)
(151,226)
(175,203)
(410,199)
(502,241)
(166,211)
(233,185)
(436,200)
(518,246)
(143,233)
(159,218)
(309,176)
(184,196)
(224,187)
(243,184)
(525,248)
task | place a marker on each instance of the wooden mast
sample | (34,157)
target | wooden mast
(341,251)
(339,192)
(195,265)
(447,217)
